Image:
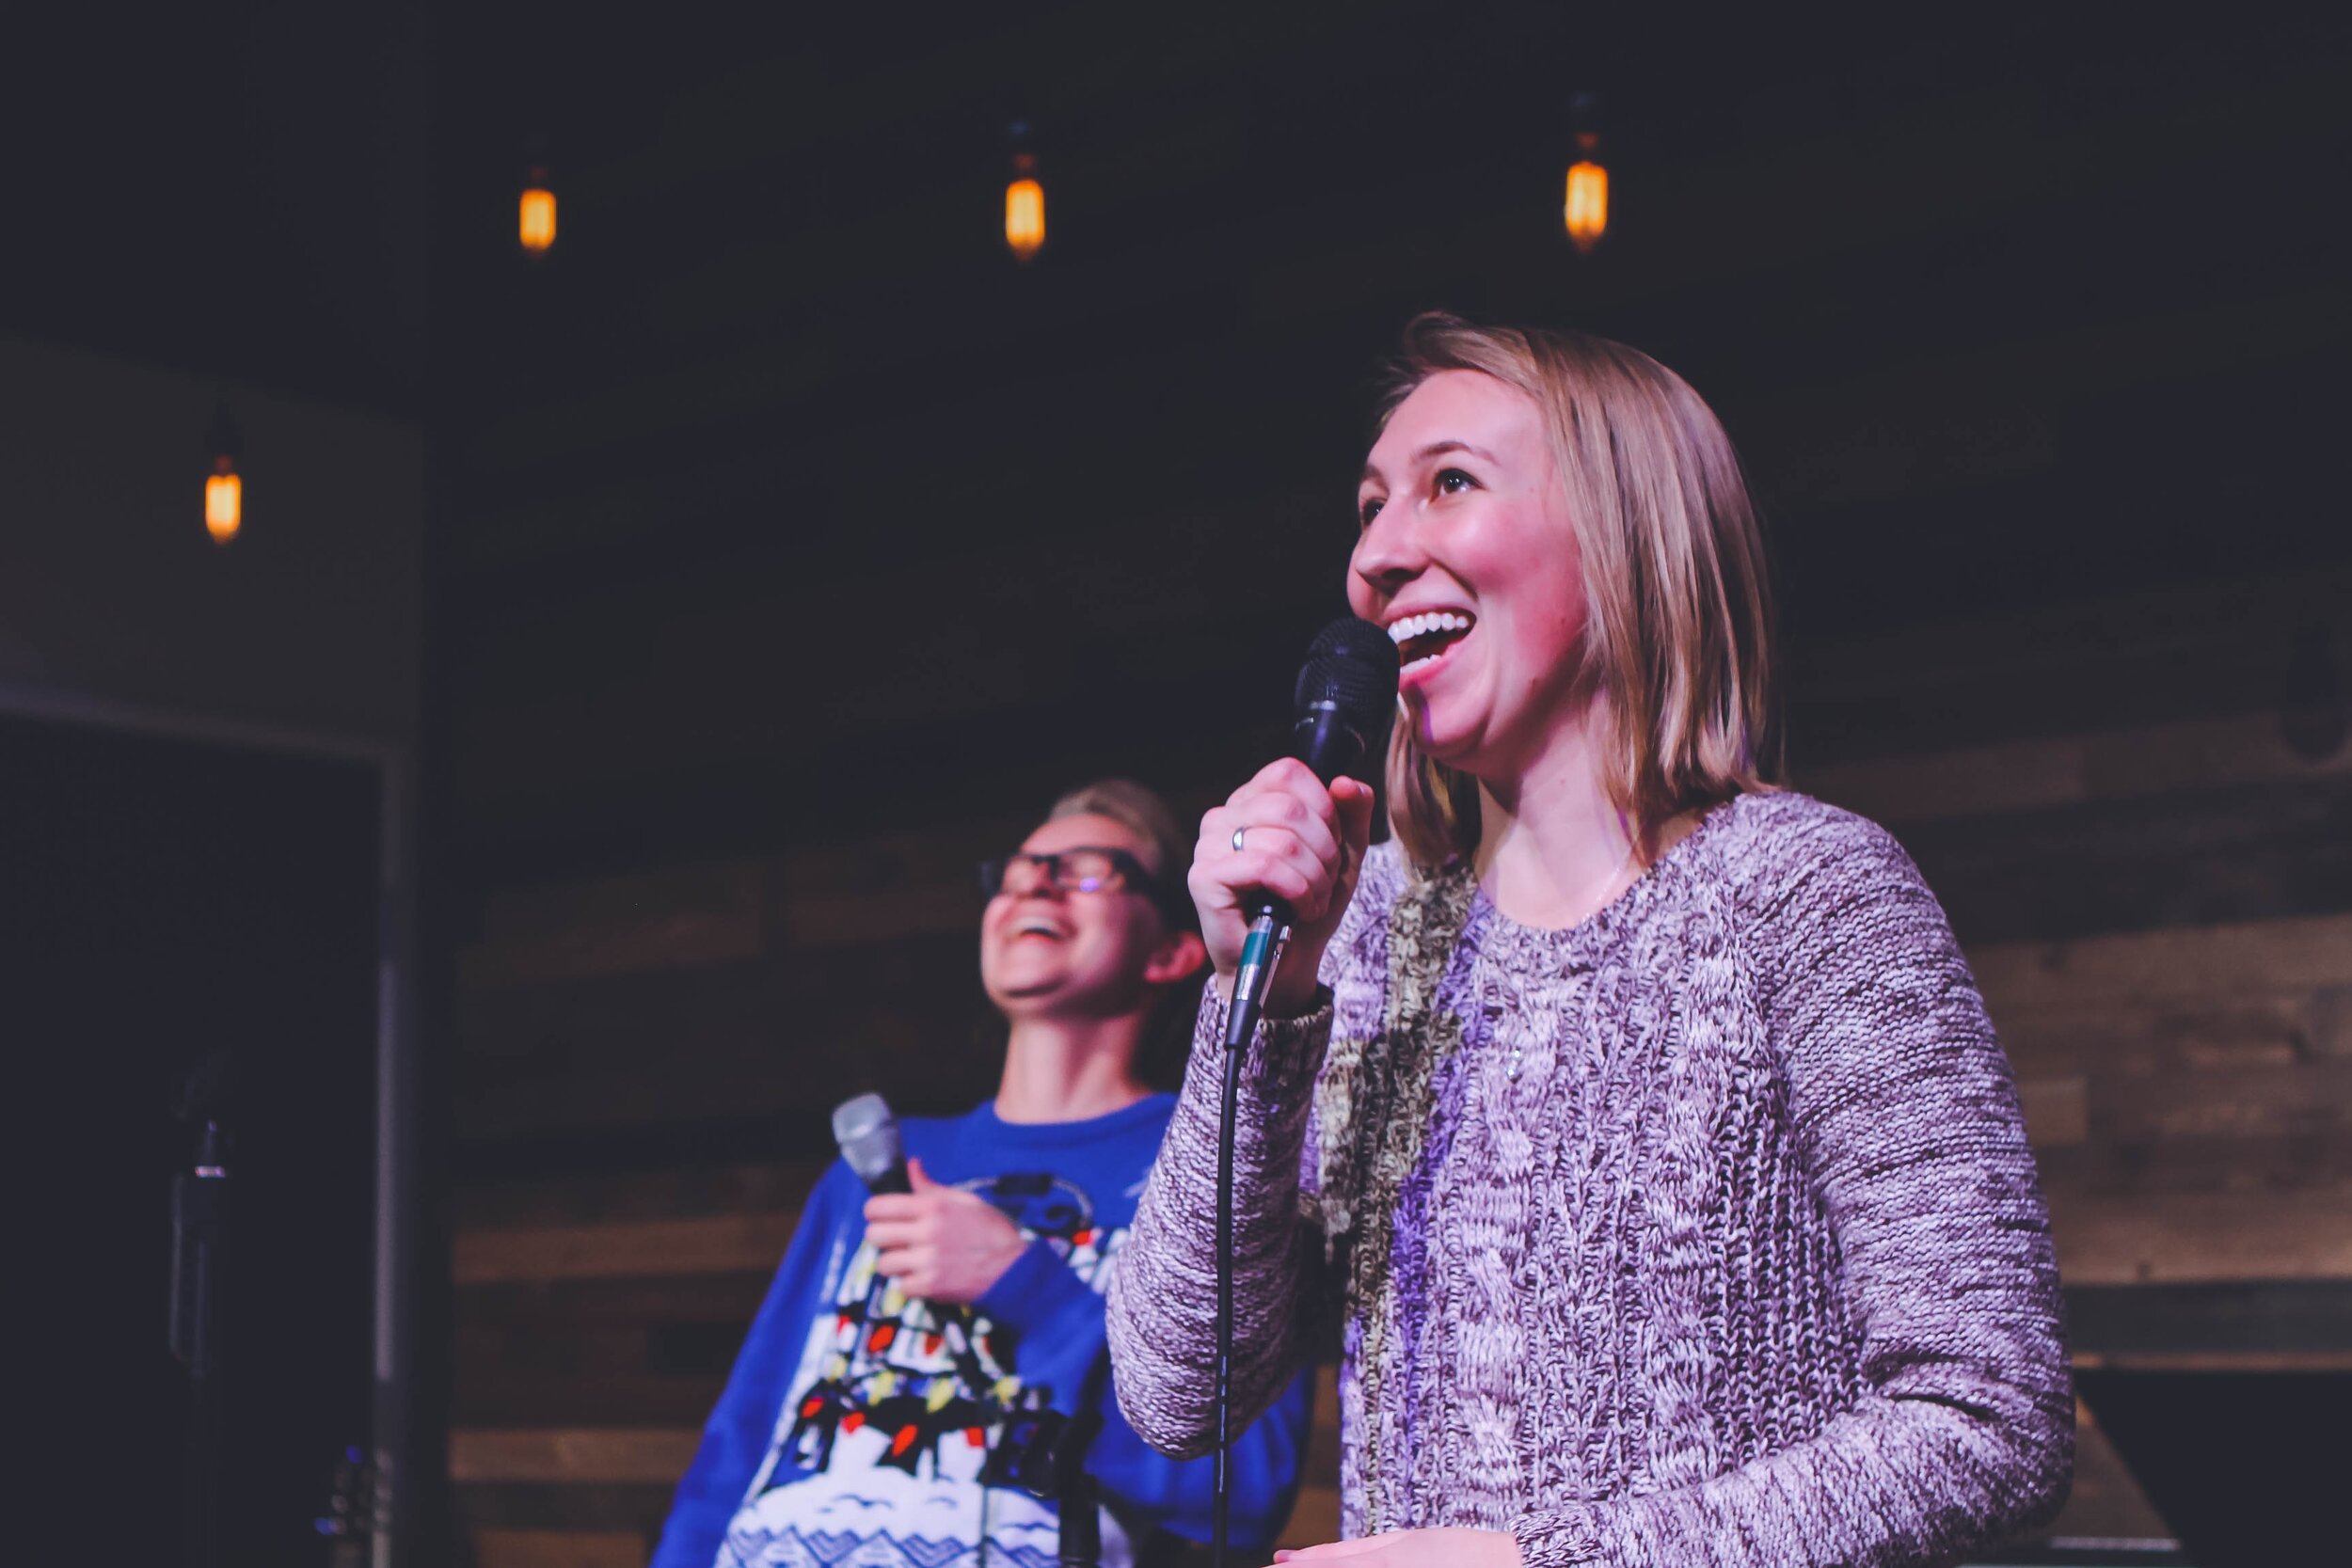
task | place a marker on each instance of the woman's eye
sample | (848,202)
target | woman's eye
(1369,508)
(1453,482)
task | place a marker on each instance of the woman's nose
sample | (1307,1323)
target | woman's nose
(1387,554)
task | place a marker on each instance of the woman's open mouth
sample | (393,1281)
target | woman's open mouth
(1423,639)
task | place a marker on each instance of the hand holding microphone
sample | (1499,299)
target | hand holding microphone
(1283,833)
(941,1243)
(1277,863)
(871,1145)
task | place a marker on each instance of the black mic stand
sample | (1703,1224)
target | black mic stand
(1076,1497)
(199,1237)
(1044,1454)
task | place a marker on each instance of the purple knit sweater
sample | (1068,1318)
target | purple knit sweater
(1702,1233)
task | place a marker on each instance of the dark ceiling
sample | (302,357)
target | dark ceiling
(781,235)
(2006,308)
(237,190)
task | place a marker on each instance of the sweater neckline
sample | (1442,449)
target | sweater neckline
(1595,927)
(1154,1107)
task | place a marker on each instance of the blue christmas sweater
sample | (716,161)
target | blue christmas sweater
(864,1429)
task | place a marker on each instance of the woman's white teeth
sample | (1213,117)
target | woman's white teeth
(1401,632)
(1443,628)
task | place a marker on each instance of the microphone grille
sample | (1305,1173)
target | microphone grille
(1353,665)
(858,1116)
(868,1132)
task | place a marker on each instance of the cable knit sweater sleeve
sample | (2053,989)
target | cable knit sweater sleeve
(1906,1114)
(1161,1311)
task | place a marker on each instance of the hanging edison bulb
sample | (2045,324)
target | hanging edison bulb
(537,217)
(1025,210)
(1586,210)
(224,501)
(1025,200)
(224,489)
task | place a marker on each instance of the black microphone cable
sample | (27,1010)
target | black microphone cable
(1345,703)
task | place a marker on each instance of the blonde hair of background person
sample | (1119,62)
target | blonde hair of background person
(1140,809)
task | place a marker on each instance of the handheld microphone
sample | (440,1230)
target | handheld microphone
(1344,702)
(867,1131)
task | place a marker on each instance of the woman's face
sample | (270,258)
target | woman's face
(1468,559)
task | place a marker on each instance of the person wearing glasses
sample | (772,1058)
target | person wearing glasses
(910,1341)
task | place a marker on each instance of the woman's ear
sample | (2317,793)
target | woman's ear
(1178,958)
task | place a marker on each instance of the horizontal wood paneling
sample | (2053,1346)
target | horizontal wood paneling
(493,1392)
(2223,857)
(622,1455)
(2199,1237)
(795,1032)
(902,886)
(638,1301)
(2285,1169)
(2170,1037)
(2254,959)
(2151,660)
(718,1243)
(2172,1033)
(2071,769)
(694,914)
(2103,1238)
(609,1508)
(559,1548)
(638,1194)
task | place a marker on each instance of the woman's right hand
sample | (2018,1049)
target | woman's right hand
(1298,840)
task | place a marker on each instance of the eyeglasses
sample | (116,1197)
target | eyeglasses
(1081,869)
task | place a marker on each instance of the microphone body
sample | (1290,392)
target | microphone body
(1345,703)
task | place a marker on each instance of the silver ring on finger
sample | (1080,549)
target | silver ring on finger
(1237,833)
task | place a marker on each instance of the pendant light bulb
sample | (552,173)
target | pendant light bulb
(1025,200)
(537,218)
(1584,210)
(224,487)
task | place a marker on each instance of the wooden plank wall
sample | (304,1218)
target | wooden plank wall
(2159,914)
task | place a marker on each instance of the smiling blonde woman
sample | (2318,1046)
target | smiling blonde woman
(1646,1121)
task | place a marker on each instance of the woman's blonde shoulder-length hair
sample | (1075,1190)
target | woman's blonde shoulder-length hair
(1677,601)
